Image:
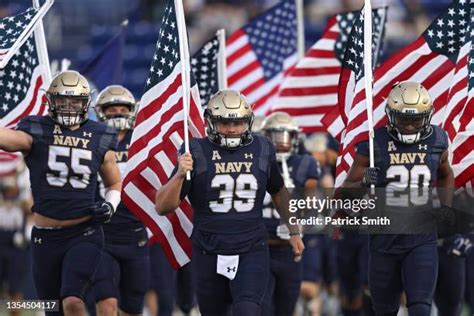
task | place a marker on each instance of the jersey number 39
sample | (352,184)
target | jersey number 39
(238,194)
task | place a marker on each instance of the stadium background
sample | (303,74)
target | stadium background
(77,30)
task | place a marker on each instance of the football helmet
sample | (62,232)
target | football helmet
(409,110)
(229,106)
(257,123)
(69,96)
(280,128)
(116,95)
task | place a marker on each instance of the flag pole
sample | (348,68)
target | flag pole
(221,60)
(300,28)
(40,40)
(185,70)
(368,77)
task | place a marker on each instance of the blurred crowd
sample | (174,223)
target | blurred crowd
(69,23)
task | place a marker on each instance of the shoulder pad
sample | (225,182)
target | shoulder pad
(32,125)
(197,151)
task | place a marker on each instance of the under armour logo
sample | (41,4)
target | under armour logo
(89,232)
(249,156)
(87,134)
(233,269)
(424,147)
(37,240)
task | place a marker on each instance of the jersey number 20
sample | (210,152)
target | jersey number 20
(411,187)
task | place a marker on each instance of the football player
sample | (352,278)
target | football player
(126,256)
(300,172)
(15,205)
(168,285)
(409,153)
(64,152)
(450,287)
(231,169)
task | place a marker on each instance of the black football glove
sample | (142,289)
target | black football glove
(458,245)
(103,211)
(446,216)
(370,176)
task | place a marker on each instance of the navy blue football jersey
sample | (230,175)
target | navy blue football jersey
(124,226)
(301,168)
(64,163)
(226,191)
(404,166)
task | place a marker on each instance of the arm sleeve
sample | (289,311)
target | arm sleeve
(314,170)
(275,181)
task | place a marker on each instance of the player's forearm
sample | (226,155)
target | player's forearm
(281,201)
(12,141)
(445,189)
(167,198)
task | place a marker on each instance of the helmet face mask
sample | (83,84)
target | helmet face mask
(284,140)
(115,106)
(117,118)
(229,119)
(69,97)
(409,110)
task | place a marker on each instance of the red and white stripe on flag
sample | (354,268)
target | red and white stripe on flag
(9,162)
(459,118)
(310,89)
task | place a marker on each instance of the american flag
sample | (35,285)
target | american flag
(352,74)
(260,55)
(13,29)
(204,65)
(158,134)
(429,60)
(20,84)
(9,162)
(461,111)
(310,89)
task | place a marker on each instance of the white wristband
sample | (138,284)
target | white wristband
(113,197)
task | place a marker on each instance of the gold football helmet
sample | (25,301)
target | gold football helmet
(116,95)
(258,123)
(229,106)
(409,110)
(280,128)
(69,96)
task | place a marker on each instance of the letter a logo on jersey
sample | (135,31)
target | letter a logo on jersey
(57,130)
(215,155)
(391,146)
